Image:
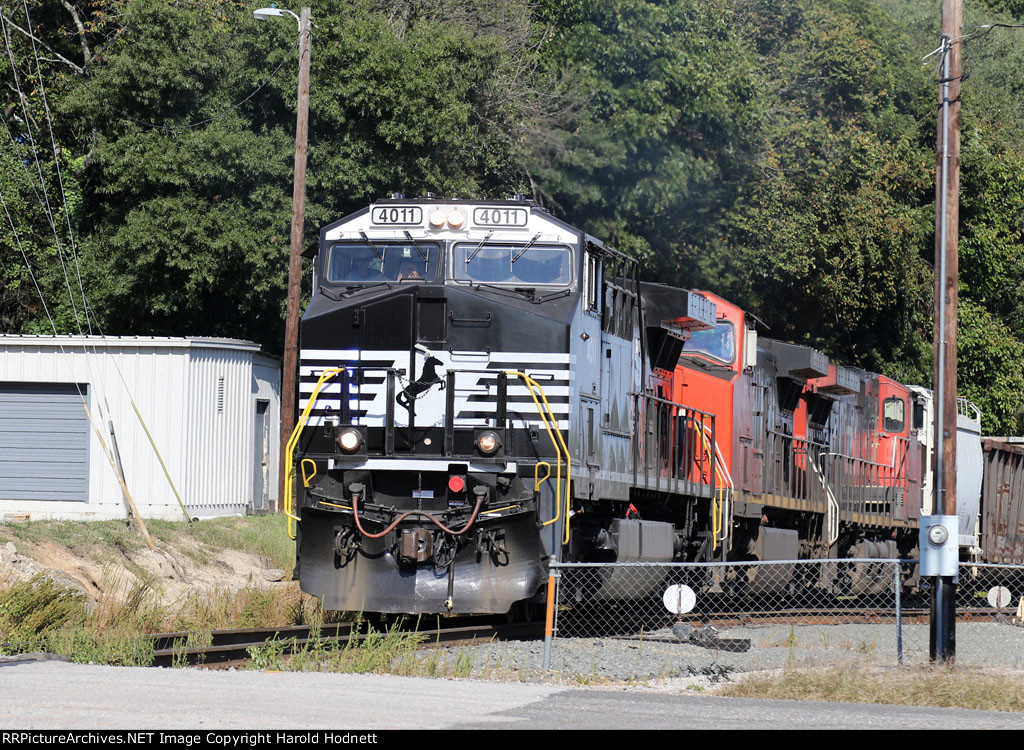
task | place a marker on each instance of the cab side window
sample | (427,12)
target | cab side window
(592,284)
(893,414)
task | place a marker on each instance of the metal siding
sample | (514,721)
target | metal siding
(44,442)
(220,443)
(1003,502)
(158,374)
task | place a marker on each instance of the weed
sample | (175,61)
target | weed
(32,610)
(269,656)
(937,686)
(86,645)
(195,640)
(463,664)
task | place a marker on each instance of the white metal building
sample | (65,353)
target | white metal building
(212,407)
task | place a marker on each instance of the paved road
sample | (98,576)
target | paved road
(59,695)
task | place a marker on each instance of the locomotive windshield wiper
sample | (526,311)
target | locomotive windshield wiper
(416,244)
(526,247)
(477,248)
(380,255)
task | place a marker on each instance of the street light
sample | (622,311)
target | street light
(264,14)
(291,329)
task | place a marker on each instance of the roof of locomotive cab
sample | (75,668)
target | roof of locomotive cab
(437,200)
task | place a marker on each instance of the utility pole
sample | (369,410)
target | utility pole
(942,641)
(291,331)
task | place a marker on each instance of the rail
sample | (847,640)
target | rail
(559,445)
(672,447)
(289,455)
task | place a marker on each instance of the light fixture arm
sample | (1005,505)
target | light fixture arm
(264,14)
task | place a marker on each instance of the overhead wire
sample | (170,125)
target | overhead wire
(48,209)
(60,176)
(85,405)
(32,142)
(48,212)
(220,114)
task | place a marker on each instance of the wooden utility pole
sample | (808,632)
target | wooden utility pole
(291,331)
(947,215)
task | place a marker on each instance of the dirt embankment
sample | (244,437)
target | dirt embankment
(99,566)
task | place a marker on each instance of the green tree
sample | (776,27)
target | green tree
(670,120)
(830,244)
(42,55)
(189,181)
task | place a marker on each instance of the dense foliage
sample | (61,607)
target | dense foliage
(779,152)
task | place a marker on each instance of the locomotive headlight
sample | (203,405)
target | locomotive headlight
(488,443)
(456,219)
(350,440)
(437,218)
(938,535)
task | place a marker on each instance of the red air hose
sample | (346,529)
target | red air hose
(445,529)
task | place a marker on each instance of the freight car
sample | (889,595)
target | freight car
(485,389)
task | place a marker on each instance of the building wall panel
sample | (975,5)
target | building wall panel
(208,452)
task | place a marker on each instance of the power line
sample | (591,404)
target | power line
(39,168)
(88,343)
(60,176)
(220,114)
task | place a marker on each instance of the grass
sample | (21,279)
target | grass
(260,535)
(106,541)
(40,615)
(937,687)
(110,627)
(389,651)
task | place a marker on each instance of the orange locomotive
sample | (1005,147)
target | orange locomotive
(818,460)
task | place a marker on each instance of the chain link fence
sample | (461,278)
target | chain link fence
(649,620)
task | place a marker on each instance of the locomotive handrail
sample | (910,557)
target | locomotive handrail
(294,439)
(531,384)
(719,515)
(289,454)
(536,472)
(966,408)
(307,479)
(832,517)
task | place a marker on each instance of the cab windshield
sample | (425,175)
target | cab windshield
(718,342)
(512,264)
(364,263)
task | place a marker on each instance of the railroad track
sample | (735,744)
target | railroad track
(231,648)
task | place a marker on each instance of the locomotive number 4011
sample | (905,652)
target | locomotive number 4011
(500,217)
(397,215)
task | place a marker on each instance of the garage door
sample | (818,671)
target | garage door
(44,442)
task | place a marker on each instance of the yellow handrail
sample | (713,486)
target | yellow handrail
(307,479)
(289,455)
(719,487)
(538,482)
(558,451)
(531,384)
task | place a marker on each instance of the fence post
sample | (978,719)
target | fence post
(549,620)
(899,614)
